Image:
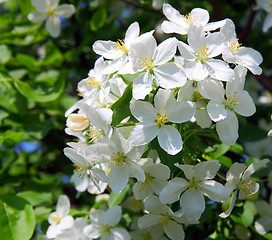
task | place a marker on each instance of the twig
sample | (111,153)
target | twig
(217,10)
(247,28)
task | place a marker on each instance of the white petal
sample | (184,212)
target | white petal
(174,230)
(164,100)
(159,171)
(118,178)
(172,14)
(192,204)
(63,206)
(227,128)
(202,16)
(238,83)
(132,32)
(231,206)
(228,29)
(41,5)
(165,51)
(253,168)
(183,112)
(169,139)
(214,25)
(142,85)
(119,234)
(267,22)
(52,25)
(251,59)
(264,208)
(148,220)
(169,75)
(107,49)
(216,111)
(113,215)
(66,222)
(196,38)
(186,51)
(211,89)
(263,224)
(143,111)
(136,170)
(154,205)
(143,133)
(171,192)
(37,17)
(53,231)
(214,191)
(170,27)
(187,169)
(65,10)
(220,70)
(93,231)
(206,170)
(81,184)
(246,106)
(196,71)
(141,190)
(201,115)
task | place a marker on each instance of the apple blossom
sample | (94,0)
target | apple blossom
(50,11)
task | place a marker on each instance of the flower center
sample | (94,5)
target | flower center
(105,229)
(92,82)
(161,118)
(120,45)
(147,62)
(55,217)
(202,54)
(194,184)
(189,19)
(197,96)
(231,101)
(234,46)
(146,184)
(95,133)
(51,12)
(163,221)
(117,158)
(247,188)
(80,170)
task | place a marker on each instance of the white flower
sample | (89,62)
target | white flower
(266,6)
(156,176)
(222,110)
(118,51)
(238,180)
(50,11)
(192,201)
(264,223)
(76,232)
(60,221)
(152,61)
(103,225)
(180,23)
(269,134)
(154,121)
(259,148)
(199,62)
(163,215)
(234,53)
(122,158)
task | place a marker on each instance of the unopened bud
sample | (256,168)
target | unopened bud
(77,122)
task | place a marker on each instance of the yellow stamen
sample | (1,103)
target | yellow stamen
(161,118)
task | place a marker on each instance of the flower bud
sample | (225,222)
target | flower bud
(77,122)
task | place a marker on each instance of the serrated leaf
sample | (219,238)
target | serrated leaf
(98,19)
(116,198)
(17,218)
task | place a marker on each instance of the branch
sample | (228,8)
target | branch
(134,5)
(265,81)
(217,10)
(247,28)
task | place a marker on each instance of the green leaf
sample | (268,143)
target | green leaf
(49,77)
(98,19)
(236,148)
(221,149)
(26,7)
(251,133)
(17,218)
(3,115)
(116,198)
(41,92)
(36,198)
(5,54)
(248,214)
(129,78)
(225,161)
(28,61)
(121,107)
(11,138)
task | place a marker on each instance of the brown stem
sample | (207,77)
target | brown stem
(217,10)
(265,81)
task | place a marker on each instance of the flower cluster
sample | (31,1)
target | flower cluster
(140,94)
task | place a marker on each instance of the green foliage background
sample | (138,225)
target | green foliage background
(38,79)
